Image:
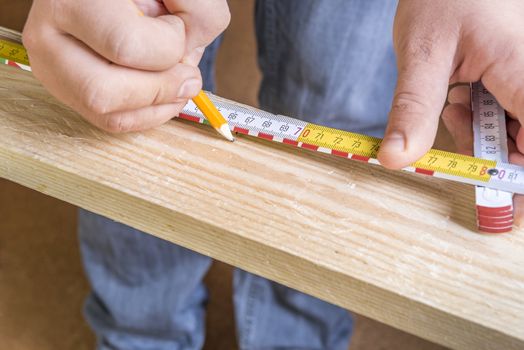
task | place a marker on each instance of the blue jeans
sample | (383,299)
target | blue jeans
(330,62)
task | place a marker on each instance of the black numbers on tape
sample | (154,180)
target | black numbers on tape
(284,128)
(490,149)
(266,124)
(249,120)
(232,116)
(432,160)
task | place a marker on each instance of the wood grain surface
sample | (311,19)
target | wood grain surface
(399,248)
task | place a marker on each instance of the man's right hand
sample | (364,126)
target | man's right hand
(120,70)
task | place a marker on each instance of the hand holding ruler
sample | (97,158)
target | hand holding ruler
(495,178)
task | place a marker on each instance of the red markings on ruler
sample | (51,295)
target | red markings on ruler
(340,153)
(265,136)
(309,146)
(495,229)
(496,222)
(189,117)
(424,171)
(241,130)
(491,211)
(290,142)
(12,64)
(361,158)
(495,219)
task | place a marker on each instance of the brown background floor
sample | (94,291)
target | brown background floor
(42,285)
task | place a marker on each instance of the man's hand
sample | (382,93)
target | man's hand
(438,42)
(446,41)
(120,70)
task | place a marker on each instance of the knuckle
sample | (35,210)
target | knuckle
(217,22)
(223,19)
(123,46)
(410,110)
(407,102)
(422,49)
(177,38)
(428,46)
(116,124)
(30,39)
(159,96)
(419,48)
(95,96)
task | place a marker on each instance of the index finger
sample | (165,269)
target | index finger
(117,31)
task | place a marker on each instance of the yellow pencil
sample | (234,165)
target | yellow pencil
(209,110)
(212,115)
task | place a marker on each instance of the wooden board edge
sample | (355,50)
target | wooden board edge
(293,271)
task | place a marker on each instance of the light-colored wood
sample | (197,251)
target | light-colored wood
(399,248)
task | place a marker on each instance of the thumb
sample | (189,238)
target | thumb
(418,101)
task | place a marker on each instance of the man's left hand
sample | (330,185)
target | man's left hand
(447,41)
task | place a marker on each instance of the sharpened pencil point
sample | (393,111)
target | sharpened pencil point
(226,132)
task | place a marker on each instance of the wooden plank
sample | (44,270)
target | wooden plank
(399,248)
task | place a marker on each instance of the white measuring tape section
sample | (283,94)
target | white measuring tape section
(494,207)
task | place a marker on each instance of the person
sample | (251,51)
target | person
(331,62)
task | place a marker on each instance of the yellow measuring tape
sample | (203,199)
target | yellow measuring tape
(368,146)
(13,52)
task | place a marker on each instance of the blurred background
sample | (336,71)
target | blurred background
(42,284)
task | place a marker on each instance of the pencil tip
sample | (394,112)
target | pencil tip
(226,132)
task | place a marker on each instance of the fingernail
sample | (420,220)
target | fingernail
(394,142)
(189,88)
